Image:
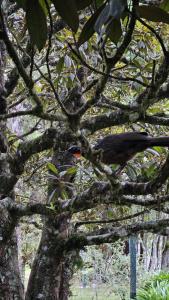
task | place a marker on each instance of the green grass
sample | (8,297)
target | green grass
(100,293)
(91,294)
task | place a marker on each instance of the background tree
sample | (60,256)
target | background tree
(86,68)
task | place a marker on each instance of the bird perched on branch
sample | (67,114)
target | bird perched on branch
(120,148)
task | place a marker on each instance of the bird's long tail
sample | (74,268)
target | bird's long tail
(159,141)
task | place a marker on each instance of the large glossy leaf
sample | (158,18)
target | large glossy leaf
(36,22)
(44,7)
(67,9)
(117,7)
(153,13)
(88,30)
(114,31)
(21,3)
(114,8)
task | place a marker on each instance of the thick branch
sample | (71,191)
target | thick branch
(101,193)
(114,234)
(26,149)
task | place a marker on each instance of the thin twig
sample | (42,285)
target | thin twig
(93,69)
(50,39)
(78,224)
(13,54)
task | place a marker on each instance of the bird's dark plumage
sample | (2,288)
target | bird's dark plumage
(120,148)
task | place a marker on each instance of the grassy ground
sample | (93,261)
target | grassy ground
(91,294)
(78,293)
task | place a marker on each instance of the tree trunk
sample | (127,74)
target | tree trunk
(53,267)
(10,281)
(165,256)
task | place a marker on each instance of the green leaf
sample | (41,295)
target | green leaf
(52,168)
(88,29)
(114,31)
(153,13)
(64,195)
(68,11)
(81,4)
(165,5)
(113,9)
(131,172)
(36,22)
(99,3)
(71,170)
(43,5)
(51,206)
(60,65)
(21,3)
(117,8)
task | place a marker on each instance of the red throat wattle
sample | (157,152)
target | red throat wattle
(77,154)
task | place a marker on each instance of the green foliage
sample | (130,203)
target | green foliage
(165,5)
(52,168)
(88,293)
(71,170)
(108,265)
(161,277)
(107,14)
(155,289)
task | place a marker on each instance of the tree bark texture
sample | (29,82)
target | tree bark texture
(10,282)
(53,267)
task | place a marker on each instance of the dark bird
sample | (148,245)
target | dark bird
(120,148)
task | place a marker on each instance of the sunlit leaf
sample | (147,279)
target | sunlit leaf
(52,168)
(152,151)
(51,206)
(72,170)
